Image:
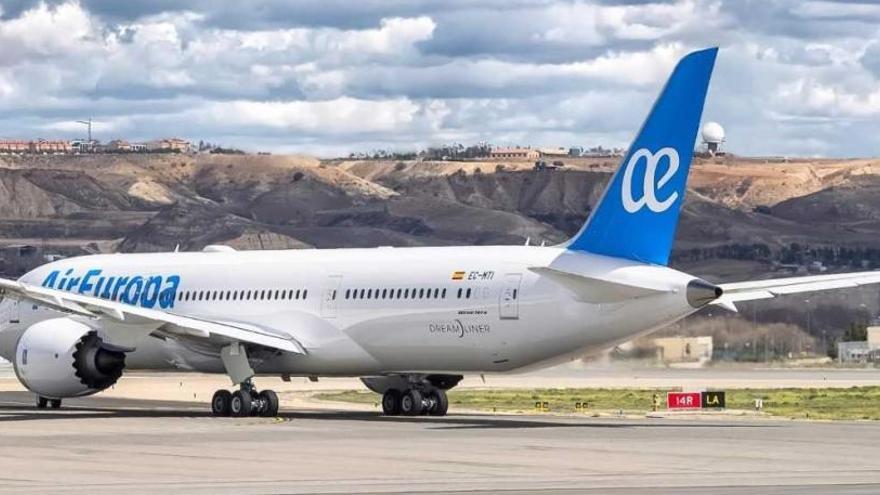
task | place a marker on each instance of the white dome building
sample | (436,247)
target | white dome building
(713,136)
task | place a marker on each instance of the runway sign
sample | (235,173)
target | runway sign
(713,400)
(683,400)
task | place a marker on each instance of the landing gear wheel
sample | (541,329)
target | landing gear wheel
(391,402)
(42,402)
(411,403)
(221,403)
(441,403)
(241,404)
(55,403)
(270,403)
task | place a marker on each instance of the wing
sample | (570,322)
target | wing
(766,289)
(125,323)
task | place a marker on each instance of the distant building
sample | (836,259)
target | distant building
(575,151)
(138,147)
(118,145)
(34,146)
(523,153)
(684,349)
(83,146)
(14,146)
(169,145)
(553,152)
(862,351)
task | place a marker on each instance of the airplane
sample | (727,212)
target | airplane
(410,322)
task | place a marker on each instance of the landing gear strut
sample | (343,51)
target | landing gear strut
(245,401)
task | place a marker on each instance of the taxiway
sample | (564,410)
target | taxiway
(116,445)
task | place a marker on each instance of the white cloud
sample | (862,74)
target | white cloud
(402,74)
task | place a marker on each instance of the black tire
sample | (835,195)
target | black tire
(270,401)
(391,402)
(221,403)
(441,403)
(42,402)
(411,403)
(241,404)
(55,403)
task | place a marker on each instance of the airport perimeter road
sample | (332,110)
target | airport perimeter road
(127,446)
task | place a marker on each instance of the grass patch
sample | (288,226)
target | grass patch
(857,403)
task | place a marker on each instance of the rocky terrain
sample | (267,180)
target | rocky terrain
(741,215)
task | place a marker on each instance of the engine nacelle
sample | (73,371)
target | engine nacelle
(62,357)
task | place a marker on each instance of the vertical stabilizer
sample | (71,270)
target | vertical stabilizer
(638,213)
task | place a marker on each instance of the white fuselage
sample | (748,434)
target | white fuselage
(371,311)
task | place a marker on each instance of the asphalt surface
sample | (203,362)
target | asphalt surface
(104,445)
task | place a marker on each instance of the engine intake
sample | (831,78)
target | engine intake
(98,365)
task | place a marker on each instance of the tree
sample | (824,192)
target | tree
(857,332)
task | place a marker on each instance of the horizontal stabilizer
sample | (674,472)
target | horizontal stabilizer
(768,289)
(595,290)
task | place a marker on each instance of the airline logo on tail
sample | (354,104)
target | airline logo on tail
(638,213)
(651,184)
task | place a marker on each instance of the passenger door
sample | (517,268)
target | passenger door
(330,294)
(508,301)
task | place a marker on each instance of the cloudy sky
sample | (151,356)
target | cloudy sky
(332,76)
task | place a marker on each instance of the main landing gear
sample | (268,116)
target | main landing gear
(415,402)
(245,401)
(42,402)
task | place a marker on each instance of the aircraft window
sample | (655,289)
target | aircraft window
(459,293)
(277,294)
(201,295)
(369,293)
(361,296)
(443,294)
(347,293)
(514,293)
(406,293)
(436,293)
(384,293)
(228,295)
(399,292)
(334,294)
(305,293)
(468,294)
(421,293)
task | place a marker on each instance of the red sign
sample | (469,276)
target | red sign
(683,400)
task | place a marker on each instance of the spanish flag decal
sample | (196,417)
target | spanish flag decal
(457,275)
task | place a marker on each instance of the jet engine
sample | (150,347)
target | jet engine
(62,357)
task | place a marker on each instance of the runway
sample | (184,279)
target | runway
(120,445)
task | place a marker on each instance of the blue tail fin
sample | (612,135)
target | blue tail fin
(638,213)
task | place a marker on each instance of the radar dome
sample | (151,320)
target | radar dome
(713,133)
